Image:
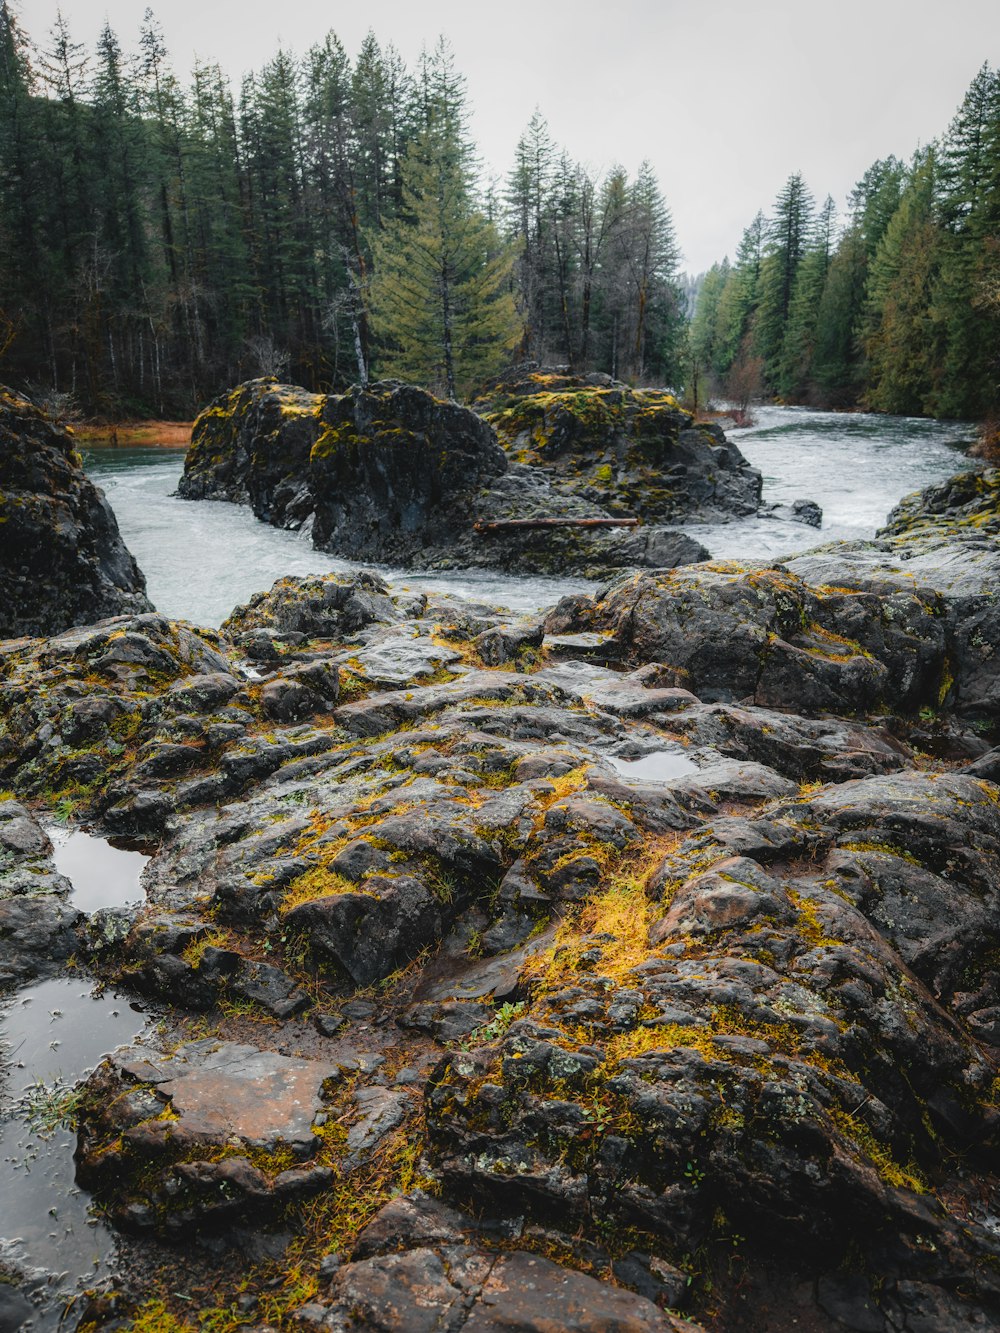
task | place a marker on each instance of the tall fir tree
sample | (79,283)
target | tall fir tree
(440,296)
(788,236)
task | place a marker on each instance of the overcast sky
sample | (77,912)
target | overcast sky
(725,97)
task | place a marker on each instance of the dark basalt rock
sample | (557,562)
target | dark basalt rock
(633,451)
(799,511)
(386,472)
(39,928)
(754,1059)
(209,1134)
(395,471)
(682,987)
(391,473)
(424,1289)
(907,621)
(62,561)
(766,636)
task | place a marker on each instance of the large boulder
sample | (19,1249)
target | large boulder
(62,560)
(634,452)
(390,473)
(786,1033)
(908,621)
(395,470)
(385,471)
(765,635)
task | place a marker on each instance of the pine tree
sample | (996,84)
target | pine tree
(739,297)
(904,341)
(788,235)
(799,342)
(968,189)
(704,333)
(25,311)
(440,295)
(529,201)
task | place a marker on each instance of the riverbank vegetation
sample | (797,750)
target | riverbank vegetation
(896,308)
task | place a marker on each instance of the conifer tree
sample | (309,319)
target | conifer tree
(739,297)
(904,341)
(440,295)
(788,236)
(794,380)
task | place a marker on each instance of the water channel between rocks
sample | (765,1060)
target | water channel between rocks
(201,558)
(52,1033)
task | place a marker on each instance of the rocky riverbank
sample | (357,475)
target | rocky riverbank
(62,561)
(633,967)
(390,473)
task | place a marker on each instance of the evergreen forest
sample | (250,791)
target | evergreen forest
(895,307)
(327,221)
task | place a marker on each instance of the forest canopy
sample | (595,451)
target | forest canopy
(897,309)
(325,221)
(328,221)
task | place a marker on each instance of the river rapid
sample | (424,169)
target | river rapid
(201,558)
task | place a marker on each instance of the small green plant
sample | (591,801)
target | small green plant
(693,1173)
(63,810)
(49,1107)
(497,1025)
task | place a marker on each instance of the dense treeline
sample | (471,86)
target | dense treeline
(900,311)
(160,241)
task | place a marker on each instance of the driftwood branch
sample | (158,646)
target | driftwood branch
(506,524)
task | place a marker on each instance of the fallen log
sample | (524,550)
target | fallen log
(504,524)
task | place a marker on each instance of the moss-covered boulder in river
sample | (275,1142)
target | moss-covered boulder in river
(390,473)
(631,451)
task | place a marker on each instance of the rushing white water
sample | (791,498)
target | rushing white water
(856,466)
(201,558)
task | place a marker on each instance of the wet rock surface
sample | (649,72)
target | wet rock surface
(213,1130)
(553,973)
(62,560)
(39,928)
(390,473)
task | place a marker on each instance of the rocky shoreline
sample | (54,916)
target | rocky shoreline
(632,967)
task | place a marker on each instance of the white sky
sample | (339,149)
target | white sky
(725,97)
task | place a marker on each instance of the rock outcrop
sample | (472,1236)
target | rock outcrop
(62,560)
(632,452)
(549,973)
(392,474)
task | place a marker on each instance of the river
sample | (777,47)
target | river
(202,558)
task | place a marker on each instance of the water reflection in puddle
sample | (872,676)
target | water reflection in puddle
(102,874)
(658,766)
(51,1035)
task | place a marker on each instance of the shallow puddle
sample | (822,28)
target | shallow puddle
(659,766)
(103,874)
(51,1035)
